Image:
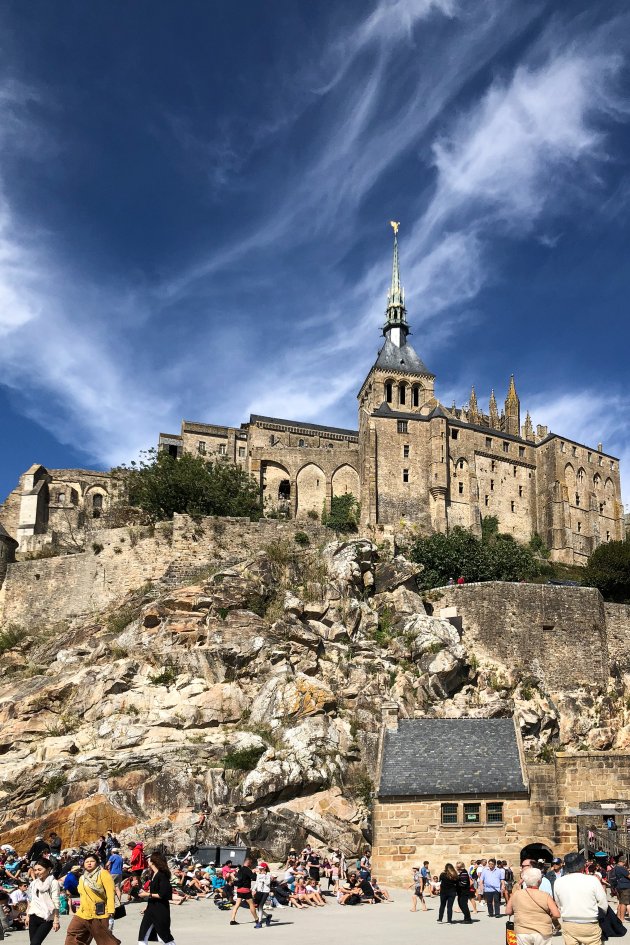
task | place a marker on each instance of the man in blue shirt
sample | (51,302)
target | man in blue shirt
(491,885)
(71,882)
(115,866)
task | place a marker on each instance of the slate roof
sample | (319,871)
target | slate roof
(255,418)
(393,358)
(453,757)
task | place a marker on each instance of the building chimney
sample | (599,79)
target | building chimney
(389,715)
(600,447)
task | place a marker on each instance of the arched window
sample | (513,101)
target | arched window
(284,490)
(388,392)
(415,397)
(300,442)
(97,505)
(402,394)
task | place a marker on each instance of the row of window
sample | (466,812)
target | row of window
(222,451)
(402,394)
(472,813)
(589,455)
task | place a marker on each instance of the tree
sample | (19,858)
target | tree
(495,557)
(163,485)
(344,513)
(608,569)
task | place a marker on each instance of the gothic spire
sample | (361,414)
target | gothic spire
(512,410)
(396,327)
(473,408)
(494,412)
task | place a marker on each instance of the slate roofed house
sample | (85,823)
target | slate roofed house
(448,789)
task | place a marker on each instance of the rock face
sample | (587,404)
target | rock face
(256,693)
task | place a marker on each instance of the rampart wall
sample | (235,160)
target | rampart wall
(558,634)
(48,590)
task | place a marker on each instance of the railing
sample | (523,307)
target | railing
(612,842)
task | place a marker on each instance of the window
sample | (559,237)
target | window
(600,461)
(514,470)
(416,396)
(461,464)
(494,812)
(601,507)
(493,466)
(607,536)
(590,457)
(201,446)
(580,475)
(402,426)
(472,813)
(520,492)
(97,505)
(521,451)
(61,497)
(454,434)
(301,443)
(222,449)
(388,392)
(461,488)
(488,442)
(272,440)
(405,475)
(406,451)
(492,485)
(579,527)
(612,465)
(513,506)
(563,447)
(402,394)
(242,451)
(449,814)
(487,500)
(577,499)
(329,445)
(284,490)
(506,447)
(575,450)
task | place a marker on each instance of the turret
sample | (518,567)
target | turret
(512,410)
(494,412)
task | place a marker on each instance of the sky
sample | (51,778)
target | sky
(195,201)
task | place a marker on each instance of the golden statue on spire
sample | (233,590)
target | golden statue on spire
(394,226)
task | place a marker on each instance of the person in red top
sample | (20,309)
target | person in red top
(137,865)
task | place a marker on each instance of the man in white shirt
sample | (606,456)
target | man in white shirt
(579,897)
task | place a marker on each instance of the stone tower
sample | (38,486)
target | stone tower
(402,461)
(512,410)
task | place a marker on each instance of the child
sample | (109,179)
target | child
(261,890)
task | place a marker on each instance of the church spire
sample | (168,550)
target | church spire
(473,407)
(512,410)
(396,328)
(494,411)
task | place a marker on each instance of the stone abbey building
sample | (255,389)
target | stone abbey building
(413,460)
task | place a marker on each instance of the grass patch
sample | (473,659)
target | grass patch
(119,621)
(243,759)
(166,678)
(301,538)
(10,637)
(118,652)
(52,785)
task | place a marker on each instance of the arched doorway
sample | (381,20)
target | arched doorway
(536,851)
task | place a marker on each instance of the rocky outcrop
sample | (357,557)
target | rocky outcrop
(255,692)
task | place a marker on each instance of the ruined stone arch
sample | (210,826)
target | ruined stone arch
(597,481)
(345,479)
(95,501)
(609,486)
(311,490)
(581,476)
(275,486)
(569,475)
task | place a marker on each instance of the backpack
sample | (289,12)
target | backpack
(613,878)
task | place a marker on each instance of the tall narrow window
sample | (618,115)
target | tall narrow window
(488,442)
(405,475)
(521,451)
(402,426)
(201,446)
(512,506)
(494,812)
(514,470)
(388,392)
(406,451)
(461,488)
(416,396)
(492,485)
(402,394)
(487,500)
(222,449)
(97,505)
(579,527)
(506,447)
(301,443)
(520,492)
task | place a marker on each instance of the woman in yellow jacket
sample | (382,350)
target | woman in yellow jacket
(98,902)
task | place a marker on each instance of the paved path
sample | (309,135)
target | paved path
(201,923)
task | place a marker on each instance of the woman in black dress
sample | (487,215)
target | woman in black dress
(448,892)
(156,921)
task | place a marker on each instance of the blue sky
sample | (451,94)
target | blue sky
(194,207)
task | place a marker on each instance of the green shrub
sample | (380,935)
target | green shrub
(52,785)
(117,622)
(243,759)
(301,538)
(10,637)
(608,569)
(312,514)
(166,678)
(344,513)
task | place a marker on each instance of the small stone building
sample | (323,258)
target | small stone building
(448,789)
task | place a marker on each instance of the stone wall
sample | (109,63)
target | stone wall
(49,590)
(618,633)
(587,776)
(538,628)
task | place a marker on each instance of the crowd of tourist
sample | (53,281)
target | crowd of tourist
(568,897)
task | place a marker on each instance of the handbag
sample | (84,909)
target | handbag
(510,934)
(120,912)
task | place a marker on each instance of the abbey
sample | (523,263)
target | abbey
(413,461)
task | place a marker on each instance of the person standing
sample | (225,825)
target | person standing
(491,886)
(97,895)
(262,888)
(448,892)
(418,892)
(115,867)
(464,890)
(244,879)
(157,915)
(533,910)
(620,882)
(54,842)
(42,914)
(579,898)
